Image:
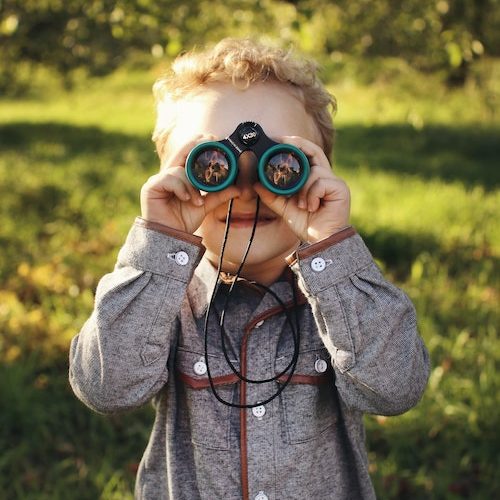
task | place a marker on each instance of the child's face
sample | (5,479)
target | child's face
(215,113)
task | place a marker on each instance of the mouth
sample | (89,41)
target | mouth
(247,219)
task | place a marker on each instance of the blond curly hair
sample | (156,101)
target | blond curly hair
(244,62)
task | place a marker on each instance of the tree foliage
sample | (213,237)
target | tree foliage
(99,35)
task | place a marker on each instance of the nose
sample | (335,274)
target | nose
(247,175)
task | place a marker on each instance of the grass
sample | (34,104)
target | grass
(421,162)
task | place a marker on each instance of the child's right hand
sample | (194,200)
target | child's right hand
(169,198)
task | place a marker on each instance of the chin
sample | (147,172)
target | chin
(258,254)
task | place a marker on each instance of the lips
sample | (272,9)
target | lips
(243,219)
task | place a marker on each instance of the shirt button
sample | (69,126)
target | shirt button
(259,412)
(259,323)
(200,368)
(261,496)
(181,258)
(320,366)
(318,264)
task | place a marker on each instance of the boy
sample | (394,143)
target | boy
(359,350)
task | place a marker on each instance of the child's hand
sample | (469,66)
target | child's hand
(169,198)
(322,206)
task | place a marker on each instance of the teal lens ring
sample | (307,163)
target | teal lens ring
(283,169)
(211,166)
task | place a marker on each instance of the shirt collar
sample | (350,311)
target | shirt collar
(205,276)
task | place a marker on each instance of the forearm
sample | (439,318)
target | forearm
(119,359)
(367,324)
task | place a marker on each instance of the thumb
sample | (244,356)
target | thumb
(273,201)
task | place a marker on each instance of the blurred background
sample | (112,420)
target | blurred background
(417,82)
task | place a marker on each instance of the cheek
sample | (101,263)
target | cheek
(285,234)
(208,228)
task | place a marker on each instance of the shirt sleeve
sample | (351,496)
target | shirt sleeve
(367,324)
(119,360)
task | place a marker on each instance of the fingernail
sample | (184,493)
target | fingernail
(199,201)
(301,204)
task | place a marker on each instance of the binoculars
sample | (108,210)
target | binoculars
(213,166)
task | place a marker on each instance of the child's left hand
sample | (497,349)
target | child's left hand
(322,206)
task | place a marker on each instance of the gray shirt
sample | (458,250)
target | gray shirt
(359,352)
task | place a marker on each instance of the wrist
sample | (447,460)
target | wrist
(313,248)
(168,230)
(316,236)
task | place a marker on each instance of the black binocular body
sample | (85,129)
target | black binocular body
(213,166)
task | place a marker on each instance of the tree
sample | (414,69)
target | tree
(99,35)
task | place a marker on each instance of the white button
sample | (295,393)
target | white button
(261,496)
(318,264)
(200,368)
(259,323)
(181,258)
(259,411)
(320,366)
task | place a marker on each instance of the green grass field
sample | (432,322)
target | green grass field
(422,164)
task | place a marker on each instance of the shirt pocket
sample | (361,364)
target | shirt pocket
(308,404)
(209,420)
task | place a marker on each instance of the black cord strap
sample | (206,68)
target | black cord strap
(295,331)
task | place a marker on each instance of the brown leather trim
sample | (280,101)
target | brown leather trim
(243,418)
(306,379)
(301,299)
(170,231)
(321,245)
(203,383)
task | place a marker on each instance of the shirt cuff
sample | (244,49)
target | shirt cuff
(160,249)
(331,260)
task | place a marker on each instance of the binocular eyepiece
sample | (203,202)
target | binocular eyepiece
(213,166)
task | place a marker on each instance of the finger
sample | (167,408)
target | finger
(317,172)
(320,166)
(315,194)
(169,178)
(178,187)
(276,203)
(315,153)
(327,190)
(213,200)
(194,194)
(166,183)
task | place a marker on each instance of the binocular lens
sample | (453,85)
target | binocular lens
(211,167)
(283,170)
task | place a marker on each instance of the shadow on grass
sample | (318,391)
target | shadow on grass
(398,250)
(65,179)
(467,154)
(59,143)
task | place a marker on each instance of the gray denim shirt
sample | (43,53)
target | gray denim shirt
(359,352)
